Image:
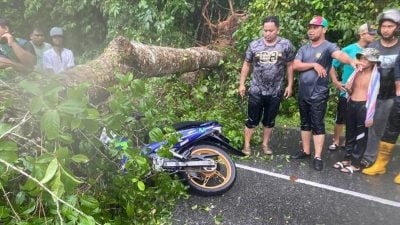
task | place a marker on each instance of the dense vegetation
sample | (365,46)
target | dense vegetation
(53,170)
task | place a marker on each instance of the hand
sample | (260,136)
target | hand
(353,63)
(288,92)
(9,37)
(320,70)
(347,88)
(369,123)
(339,86)
(242,90)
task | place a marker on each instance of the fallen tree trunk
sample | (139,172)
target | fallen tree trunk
(123,56)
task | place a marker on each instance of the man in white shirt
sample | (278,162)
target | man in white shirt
(57,59)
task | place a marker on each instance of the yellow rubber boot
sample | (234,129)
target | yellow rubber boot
(397,179)
(384,154)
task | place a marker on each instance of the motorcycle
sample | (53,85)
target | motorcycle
(200,157)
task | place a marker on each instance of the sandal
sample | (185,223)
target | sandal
(341,164)
(247,150)
(333,147)
(350,169)
(266,150)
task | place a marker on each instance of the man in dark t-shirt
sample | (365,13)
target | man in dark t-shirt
(313,60)
(386,128)
(13,52)
(389,48)
(271,58)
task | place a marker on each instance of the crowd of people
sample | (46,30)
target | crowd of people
(35,54)
(368,84)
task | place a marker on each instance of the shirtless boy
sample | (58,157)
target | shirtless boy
(363,88)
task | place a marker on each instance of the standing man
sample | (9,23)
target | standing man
(313,61)
(40,46)
(12,53)
(366,35)
(57,59)
(392,132)
(271,57)
(389,48)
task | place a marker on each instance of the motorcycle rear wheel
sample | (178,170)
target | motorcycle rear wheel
(210,182)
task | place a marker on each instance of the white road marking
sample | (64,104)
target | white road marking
(323,186)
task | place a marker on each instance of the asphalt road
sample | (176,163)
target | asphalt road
(277,190)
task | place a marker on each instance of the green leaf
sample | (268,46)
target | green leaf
(20,198)
(92,114)
(30,87)
(4,212)
(50,171)
(50,124)
(72,107)
(36,104)
(91,126)
(8,151)
(86,220)
(80,158)
(141,186)
(70,176)
(156,134)
(138,88)
(57,186)
(130,210)
(89,202)
(4,128)
(66,138)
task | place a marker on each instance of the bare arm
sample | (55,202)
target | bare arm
(243,75)
(302,66)
(335,81)
(25,57)
(289,88)
(398,88)
(343,58)
(5,63)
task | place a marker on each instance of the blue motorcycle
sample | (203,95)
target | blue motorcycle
(200,157)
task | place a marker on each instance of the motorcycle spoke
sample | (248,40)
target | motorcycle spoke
(220,175)
(206,179)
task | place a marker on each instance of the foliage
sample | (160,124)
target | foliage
(63,174)
(294,16)
(67,177)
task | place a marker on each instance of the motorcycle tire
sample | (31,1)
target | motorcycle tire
(210,182)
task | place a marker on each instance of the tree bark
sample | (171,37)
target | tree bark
(123,56)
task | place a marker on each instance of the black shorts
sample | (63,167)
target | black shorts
(341,110)
(262,106)
(312,115)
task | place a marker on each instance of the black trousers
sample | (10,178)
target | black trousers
(392,129)
(356,132)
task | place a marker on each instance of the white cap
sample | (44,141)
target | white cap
(56,31)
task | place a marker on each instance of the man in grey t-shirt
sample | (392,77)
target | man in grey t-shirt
(313,60)
(271,57)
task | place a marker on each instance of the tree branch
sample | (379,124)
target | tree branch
(55,197)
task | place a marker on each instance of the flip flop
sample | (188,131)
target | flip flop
(333,147)
(341,165)
(350,169)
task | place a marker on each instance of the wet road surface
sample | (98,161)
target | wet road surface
(279,190)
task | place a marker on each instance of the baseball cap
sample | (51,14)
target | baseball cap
(367,28)
(371,54)
(319,21)
(56,31)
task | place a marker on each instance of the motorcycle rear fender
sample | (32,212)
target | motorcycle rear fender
(218,140)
